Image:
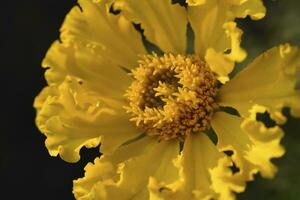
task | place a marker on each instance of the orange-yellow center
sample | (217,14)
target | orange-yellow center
(172,96)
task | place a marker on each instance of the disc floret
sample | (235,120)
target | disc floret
(172,96)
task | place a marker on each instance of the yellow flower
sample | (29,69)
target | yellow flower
(151,112)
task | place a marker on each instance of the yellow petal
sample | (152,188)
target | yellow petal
(215,33)
(72,116)
(235,34)
(269,81)
(93,25)
(253,146)
(219,64)
(130,168)
(195,2)
(198,156)
(254,8)
(207,21)
(164,24)
(104,170)
(90,67)
(197,165)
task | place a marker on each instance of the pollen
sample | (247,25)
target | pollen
(172,96)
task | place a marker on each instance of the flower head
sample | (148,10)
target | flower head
(152,112)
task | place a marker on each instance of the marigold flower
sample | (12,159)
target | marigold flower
(152,112)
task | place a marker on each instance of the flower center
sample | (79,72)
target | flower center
(172,96)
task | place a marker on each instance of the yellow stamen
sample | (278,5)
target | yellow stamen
(172,95)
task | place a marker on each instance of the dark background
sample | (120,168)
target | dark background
(28,27)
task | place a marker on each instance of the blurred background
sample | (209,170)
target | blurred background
(26,169)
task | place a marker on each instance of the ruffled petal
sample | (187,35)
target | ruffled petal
(72,116)
(164,24)
(269,81)
(195,2)
(241,8)
(216,32)
(198,164)
(253,8)
(198,157)
(105,170)
(253,146)
(126,172)
(93,70)
(94,26)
